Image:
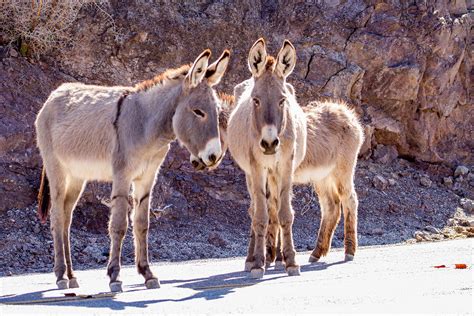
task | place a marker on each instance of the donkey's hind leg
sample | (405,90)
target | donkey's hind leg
(349,206)
(330,215)
(273,230)
(57,181)
(279,255)
(141,220)
(74,191)
(117,227)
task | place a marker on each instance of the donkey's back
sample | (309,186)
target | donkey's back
(334,137)
(76,126)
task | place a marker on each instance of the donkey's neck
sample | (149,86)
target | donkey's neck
(159,104)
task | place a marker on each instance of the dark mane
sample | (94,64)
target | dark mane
(229,102)
(227,98)
(169,74)
(270,63)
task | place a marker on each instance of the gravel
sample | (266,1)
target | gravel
(205,216)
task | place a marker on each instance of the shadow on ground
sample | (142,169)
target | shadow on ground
(208,288)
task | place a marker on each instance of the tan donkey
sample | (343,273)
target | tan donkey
(334,138)
(122,135)
(267,138)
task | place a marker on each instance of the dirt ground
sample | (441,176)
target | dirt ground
(204,215)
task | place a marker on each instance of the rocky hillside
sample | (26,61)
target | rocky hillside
(404,65)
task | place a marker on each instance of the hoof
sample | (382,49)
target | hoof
(73,283)
(62,284)
(152,284)
(116,286)
(257,273)
(313,259)
(293,271)
(349,257)
(248,266)
(279,265)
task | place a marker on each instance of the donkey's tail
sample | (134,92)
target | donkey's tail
(44,197)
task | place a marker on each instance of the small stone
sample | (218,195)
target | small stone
(452,222)
(470,178)
(460,179)
(467,205)
(461,171)
(392,182)
(465,223)
(432,229)
(13,52)
(448,181)
(216,240)
(377,231)
(393,207)
(425,181)
(459,229)
(385,154)
(405,173)
(437,236)
(380,182)
(419,236)
(395,175)
(469,235)
(36,230)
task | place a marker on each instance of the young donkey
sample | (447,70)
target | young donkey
(334,137)
(267,138)
(122,134)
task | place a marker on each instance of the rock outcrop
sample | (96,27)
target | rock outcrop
(404,65)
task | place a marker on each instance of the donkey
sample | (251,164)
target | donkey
(267,138)
(122,135)
(334,138)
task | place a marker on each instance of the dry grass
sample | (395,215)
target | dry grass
(38,26)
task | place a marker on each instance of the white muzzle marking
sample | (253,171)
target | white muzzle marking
(269,133)
(213,147)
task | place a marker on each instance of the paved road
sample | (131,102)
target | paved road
(391,279)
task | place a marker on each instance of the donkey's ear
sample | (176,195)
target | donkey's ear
(198,69)
(215,71)
(286,60)
(257,57)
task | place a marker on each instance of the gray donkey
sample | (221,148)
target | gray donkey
(122,135)
(267,138)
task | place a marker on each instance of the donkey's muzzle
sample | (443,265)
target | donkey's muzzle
(198,164)
(212,151)
(269,148)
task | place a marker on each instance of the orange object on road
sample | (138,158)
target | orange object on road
(460,266)
(439,267)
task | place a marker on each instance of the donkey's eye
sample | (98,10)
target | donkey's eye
(199,113)
(282,102)
(256,102)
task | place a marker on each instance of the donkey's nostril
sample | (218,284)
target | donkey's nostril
(195,163)
(275,143)
(212,158)
(264,144)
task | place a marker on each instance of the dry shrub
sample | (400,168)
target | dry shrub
(39,26)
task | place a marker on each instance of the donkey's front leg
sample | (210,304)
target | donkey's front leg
(117,228)
(286,217)
(141,220)
(250,252)
(259,220)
